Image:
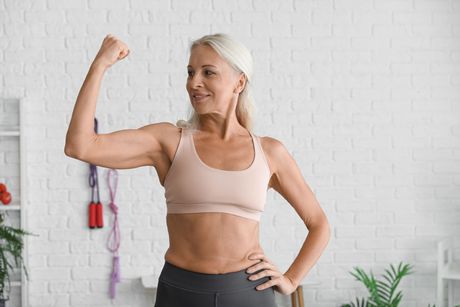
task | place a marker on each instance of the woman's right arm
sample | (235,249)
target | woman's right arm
(80,133)
(128,148)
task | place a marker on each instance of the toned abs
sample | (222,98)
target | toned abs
(207,242)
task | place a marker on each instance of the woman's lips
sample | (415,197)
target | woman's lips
(200,98)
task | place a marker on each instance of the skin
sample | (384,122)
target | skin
(221,143)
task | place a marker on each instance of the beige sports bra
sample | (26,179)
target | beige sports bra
(191,186)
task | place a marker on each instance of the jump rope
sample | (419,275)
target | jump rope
(96,219)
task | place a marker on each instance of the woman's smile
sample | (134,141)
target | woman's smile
(200,98)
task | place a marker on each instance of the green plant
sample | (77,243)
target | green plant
(11,243)
(382,294)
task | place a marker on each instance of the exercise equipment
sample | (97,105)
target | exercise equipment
(113,241)
(95,218)
(95,210)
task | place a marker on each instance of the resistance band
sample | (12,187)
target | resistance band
(113,242)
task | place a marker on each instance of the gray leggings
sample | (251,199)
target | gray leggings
(178,287)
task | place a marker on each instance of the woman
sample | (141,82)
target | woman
(216,173)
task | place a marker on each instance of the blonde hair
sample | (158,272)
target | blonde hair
(240,59)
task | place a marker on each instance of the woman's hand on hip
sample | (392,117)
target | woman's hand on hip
(279,281)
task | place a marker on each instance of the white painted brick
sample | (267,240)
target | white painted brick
(414,18)
(273,5)
(432,30)
(371,16)
(301,19)
(443,42)
(204,17)
(330,42)
(351,30)
(41,300)
(60,235)
(445,17)
(252,16)
(337,17)
(355,4)
(58,5)
(187,30)
(395,230)
(370,43)
(271,29)
(351,80)
(283,43)
(37,287)
(49,273)
(353,257)
(67,287)
(94,299)
(354,231)
(393,5)
(148,29)
(432,6)
(68,260)
(394,258)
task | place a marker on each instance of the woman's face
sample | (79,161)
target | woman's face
(214,79)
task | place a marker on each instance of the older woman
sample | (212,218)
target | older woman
(216,173)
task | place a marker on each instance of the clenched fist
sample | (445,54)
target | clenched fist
(112,50)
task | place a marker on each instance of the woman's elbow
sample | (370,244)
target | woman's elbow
(70,152)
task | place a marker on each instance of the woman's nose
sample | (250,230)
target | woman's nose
(195,80)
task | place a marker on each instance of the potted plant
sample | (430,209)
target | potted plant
(11,243)
(382,294)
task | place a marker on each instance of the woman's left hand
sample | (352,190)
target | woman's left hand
(281,283)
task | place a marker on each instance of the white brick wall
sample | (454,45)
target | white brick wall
(363,93)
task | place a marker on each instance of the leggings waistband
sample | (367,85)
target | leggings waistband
(204,282)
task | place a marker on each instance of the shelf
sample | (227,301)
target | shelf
(9,130)
(451,271)
(149,281)
(14,148)
(10,207)
(9,133)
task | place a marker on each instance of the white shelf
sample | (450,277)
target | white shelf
(9,207)
(451,271)
(12,130)
(149,281)
(9,133)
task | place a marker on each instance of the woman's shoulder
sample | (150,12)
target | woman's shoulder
(275,150)
(270,144)
(163,132)
(161,128)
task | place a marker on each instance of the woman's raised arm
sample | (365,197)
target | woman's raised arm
(128,148)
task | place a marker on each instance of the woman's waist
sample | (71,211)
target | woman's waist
(219,249)
(192,278)
(210,263)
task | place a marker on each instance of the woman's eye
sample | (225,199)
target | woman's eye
(207,72)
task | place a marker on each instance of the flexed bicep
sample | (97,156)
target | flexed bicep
(123,149)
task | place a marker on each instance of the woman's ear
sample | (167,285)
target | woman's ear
(241,83)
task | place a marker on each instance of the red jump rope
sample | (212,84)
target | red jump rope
(96,217)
